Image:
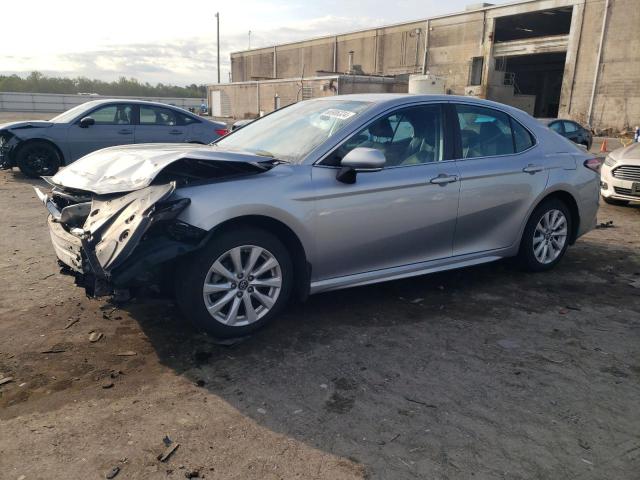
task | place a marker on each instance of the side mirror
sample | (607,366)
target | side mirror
(360,159)
(86,122)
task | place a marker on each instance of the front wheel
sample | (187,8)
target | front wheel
(236,284)
(546,236)
(38,159)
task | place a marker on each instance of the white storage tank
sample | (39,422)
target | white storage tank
(426,84)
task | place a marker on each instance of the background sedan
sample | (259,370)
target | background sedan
(571,130)
(40,147)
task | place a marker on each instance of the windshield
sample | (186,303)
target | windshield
(72,113)
(291,133)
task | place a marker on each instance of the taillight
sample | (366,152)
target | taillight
(222,131)
(594,164)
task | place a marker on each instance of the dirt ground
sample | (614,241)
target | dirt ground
(485,373)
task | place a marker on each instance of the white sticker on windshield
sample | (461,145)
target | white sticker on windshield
(339,114)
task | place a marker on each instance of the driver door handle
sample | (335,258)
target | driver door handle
(125,131)
(176,132)
(533,168)
(443,179)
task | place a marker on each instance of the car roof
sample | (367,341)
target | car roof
(400,98)
(102,101)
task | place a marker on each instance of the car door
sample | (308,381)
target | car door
(501,174)
(399,216)
(113,126)
(159,125)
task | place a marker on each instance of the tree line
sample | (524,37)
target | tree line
(36,82)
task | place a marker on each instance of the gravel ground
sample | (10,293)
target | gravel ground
(485,372)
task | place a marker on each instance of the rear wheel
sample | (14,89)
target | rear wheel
(546,236)
(236,284)
(614,201)
(38,158)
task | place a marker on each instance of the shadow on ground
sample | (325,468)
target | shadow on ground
(485,369)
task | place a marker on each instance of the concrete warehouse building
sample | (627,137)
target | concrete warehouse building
(571,58)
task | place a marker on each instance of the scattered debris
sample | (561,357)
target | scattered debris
(71,322)
(572,307)
(192,474)
(5,380)
(54,350)
(113,472)
(107,385)
(420,402)
(563,311)
(200,383)
(584,444)
(95,336)
(508,343)
(127,353)
(163,457)
(262,411)
(417,300)
(47,276)
(635,284)
(586,461)
(608,224)
(167,441)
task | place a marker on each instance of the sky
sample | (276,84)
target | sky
(175,42)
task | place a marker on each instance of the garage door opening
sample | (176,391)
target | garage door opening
(534,24)
(539,75)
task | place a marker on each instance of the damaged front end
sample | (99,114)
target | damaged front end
(8,143)
(114,218)
(118,241)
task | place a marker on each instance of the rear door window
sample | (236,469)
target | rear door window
(484,132)
(522,139)
(150,115)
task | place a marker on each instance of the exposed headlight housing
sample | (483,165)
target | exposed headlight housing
(609,162)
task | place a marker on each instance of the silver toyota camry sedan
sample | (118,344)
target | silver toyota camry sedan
(324,194)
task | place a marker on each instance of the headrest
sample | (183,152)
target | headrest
(381,128)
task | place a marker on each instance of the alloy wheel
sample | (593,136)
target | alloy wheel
(39,160)
(550,236)
(242,285)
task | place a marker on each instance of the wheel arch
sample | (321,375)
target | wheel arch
(569,200)
(29,141)
(301,266)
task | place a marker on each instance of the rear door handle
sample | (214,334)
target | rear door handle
(176,132)
(125,132)
(533,168)
(443,179)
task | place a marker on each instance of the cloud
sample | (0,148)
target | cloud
(154,45)
(188,60)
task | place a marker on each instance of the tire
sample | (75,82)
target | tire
(229,293)
(38,158)
(614,201)
(532,255)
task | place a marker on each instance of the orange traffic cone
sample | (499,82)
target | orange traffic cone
(603,147)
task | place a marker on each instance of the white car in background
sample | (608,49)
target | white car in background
(620,176)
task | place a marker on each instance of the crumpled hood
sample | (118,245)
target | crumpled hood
(132,167)
(630,154)
(25,124)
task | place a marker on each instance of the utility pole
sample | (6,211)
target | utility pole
(249,40)
(218,42)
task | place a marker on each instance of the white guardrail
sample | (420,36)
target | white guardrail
(56,103)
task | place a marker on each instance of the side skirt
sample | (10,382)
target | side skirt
(412,270)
